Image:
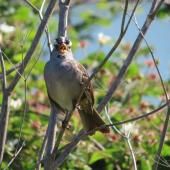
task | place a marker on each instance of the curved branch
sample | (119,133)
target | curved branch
(128,60)
(6,96)
(82,134)
(33,45)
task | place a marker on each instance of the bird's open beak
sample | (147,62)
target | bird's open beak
(62,48)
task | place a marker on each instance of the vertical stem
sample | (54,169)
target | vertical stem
(34,44)
(63,18)
(51,133)
(4,115)
(127,62)
(4,123)
(162,138)
(132,153)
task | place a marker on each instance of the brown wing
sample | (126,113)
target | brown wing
(89,89)
(89,116)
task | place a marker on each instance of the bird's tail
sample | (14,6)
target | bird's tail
(91,120)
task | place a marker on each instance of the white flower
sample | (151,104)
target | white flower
(15,103)
(129,128)
(6,28)
(103,39)
(11,144)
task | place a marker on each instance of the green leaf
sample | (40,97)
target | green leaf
(133,70)
(164,12)
(22,13)
(145,165)
(165,150)
(99,155)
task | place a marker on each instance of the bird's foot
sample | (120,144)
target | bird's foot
(84,79)
(78,107)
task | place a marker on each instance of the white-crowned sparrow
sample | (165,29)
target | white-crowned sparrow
(64,78)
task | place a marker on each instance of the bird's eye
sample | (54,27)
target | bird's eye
(59,41)
(68,42)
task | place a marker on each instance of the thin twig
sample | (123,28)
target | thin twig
(13,65)
(162,138)
(51,133)
(4,116)
(145,27)
(132,153)
(128,60)
(126,137)
(124,15)
(15,155)
(23,115)
(4,83)
(163,134)
(5,102)
(114,128)
(82,134)
(34,44)
(142,116)
(68,148)
(42,6)
(14,68)
(97,144)
(36,60)
(153,58)
(41,151)
(162,162)
(121,35)
(41,18)
(157,157)
(61,133)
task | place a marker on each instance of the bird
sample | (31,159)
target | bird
(64,78)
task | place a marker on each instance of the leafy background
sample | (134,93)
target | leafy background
(139,92)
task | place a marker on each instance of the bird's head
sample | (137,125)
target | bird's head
(63,45)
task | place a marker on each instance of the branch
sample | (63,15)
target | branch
(132,153)
(51,133)
(72,145)
(14,156)
(6,95)
(63,17)
(124,15)
(41,18)
(34,44)
(41,151)
(82,134)
(68,148)
(49,141)
(14,65)
(14,68)
(4,84)
(121,35)
(162,138)
(61,133)
(128,60)
(125,136)
(4,116)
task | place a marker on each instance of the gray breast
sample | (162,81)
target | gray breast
(62,81)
